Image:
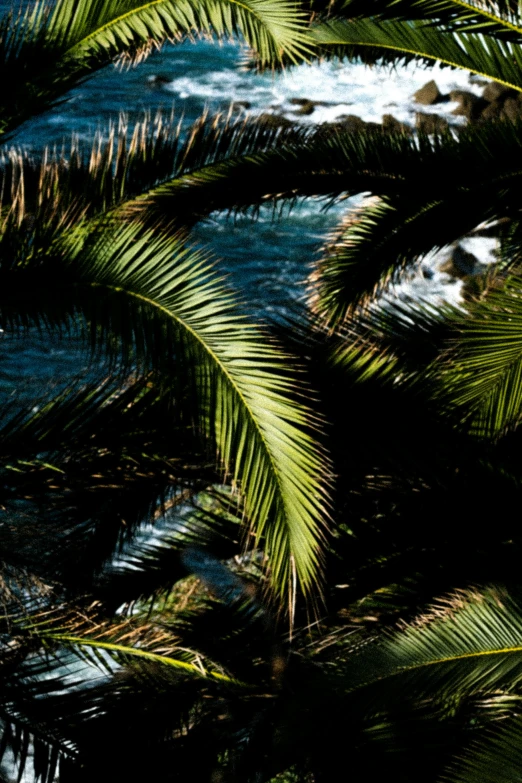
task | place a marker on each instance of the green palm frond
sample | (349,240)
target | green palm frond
(392,40)
(49,48)
(482,377)
(158,303)
(500,19)
(497,758)
(91,29)
(469,644)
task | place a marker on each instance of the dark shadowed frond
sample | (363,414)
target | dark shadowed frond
(500,19)
(55,190)
(482,376)
(334,162)
(495,758)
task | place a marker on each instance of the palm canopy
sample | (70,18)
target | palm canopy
(201,397)
(452,677)
(153,306)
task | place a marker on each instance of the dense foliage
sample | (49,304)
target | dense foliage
(332,578)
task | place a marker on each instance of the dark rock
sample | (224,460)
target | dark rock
(462,264)
(300,101)
(492,111)
(391,124)
(157,79)
(465,262)
(474,79)
(350,122)
(304,108)
(275,121)
(238,105)
(376,126)
(493,91)
(428,94)
(470,105)
(430,123)
(511,110)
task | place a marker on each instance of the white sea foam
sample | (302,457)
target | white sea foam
(342,88)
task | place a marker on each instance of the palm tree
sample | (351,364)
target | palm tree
(217,688)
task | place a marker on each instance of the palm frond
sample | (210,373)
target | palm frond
(335,163)
(469,644)
(391,40)
(47,49)
(497,758)
(149,570)
(56,190)
(92,29)
(159,302)
(497,19)
(482,377)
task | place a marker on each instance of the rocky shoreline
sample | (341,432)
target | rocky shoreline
(469,259)
(497,102)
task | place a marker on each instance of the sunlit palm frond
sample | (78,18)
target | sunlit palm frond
(92,29)
(469,644)
(84,632)
(48,49)
(158,304)
(391,40)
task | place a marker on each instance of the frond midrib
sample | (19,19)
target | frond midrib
(439,661)
(488,15)
(139,653)
(153,303)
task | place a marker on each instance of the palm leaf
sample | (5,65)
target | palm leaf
(470,644)
(49,48)
(482,377)
(396,40)
(497,758)
(118,167)
(335,163)
(92,29)
(500,19)
(159,304)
